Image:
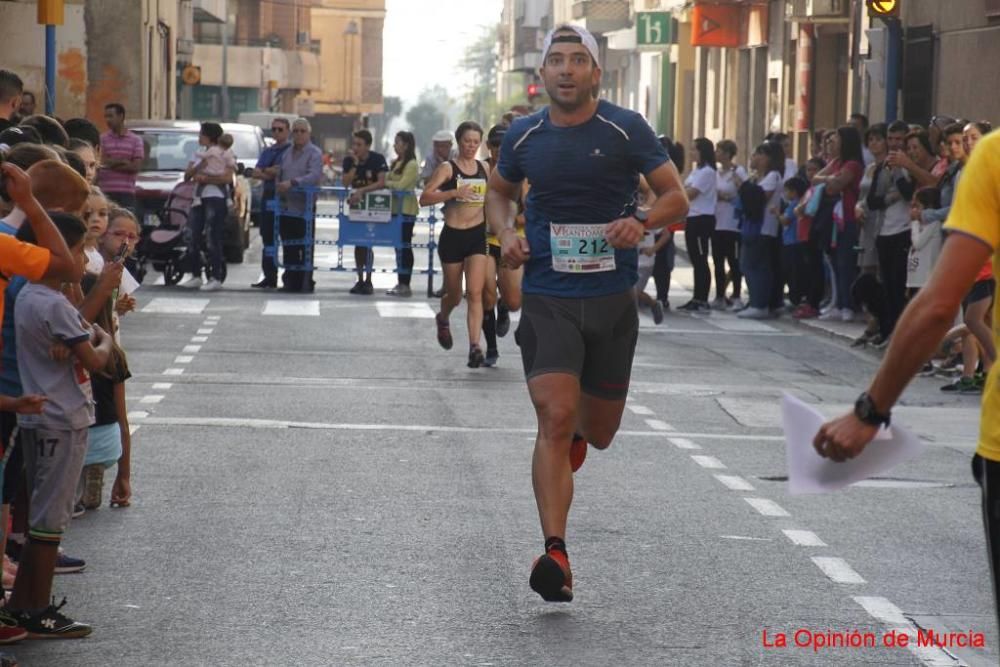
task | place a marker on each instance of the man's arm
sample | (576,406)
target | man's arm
(379,184)
(501,203)
(918,333)
(671,205)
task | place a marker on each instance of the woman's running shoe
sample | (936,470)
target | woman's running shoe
(476,357)
(443,332)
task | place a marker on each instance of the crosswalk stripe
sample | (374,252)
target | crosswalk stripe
(291,307)
(175,305)
(413,309)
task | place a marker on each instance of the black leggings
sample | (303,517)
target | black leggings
(893,259)
(662,268)
(405,256)
(698,237)
(726,249)
(987,475)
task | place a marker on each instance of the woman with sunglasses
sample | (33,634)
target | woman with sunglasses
(267,171)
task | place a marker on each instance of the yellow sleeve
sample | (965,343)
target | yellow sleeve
(22,259)
(976,209)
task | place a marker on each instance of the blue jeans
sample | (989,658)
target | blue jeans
(757,264)
(209,216)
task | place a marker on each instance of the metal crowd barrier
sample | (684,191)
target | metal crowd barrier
(371,224)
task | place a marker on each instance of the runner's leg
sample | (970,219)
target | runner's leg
(475,278)
(556,398)
(452,288)
(510,287)
(598,419)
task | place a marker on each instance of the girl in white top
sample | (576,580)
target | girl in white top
(701,188)
(726,238)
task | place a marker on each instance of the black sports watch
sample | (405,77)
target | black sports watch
(641,216)
(865,410)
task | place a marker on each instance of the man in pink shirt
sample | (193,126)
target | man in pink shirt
(122,153)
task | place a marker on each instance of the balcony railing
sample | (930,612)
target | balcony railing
(600,16)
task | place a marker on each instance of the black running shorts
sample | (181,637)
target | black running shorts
(591,338)
(457,244)
(983,289)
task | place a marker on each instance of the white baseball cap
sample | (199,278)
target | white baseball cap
(442,136)
(583,37)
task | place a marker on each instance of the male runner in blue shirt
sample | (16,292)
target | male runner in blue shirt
(582,158)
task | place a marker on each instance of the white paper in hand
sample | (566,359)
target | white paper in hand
(808,472)
(128,284)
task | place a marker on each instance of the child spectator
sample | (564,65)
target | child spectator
(791,260)
(95,216)
(55,441)
(926,237)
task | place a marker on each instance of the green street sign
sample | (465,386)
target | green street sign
(653,29)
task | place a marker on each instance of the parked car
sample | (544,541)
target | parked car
(169,147)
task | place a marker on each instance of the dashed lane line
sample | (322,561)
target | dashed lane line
(163,386)
(804,538)
(191,349)
(709,462)
(684,443)
(174,371)
(892,617)
(838,570)
(640,410)
(151,399)
(658,425)
(767,507)
(734,482)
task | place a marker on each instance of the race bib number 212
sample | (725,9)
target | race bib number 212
(580,249)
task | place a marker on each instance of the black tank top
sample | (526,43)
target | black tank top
(456,173)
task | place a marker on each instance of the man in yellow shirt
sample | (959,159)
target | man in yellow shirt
(974,237)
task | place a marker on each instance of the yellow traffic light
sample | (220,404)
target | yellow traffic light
(883,9)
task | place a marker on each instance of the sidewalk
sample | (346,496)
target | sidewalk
(847,331)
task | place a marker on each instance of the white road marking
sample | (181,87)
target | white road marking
(837,570)
(767,507)
(683,443)
(174,371)
(741,326)
(890,615)
(183,359)
(735,482)
(191,349)
(291,307)
(199,339)
(162,385)
(151,399)
(640,410)
(708,461)
(132,428)
(658,425)
(213,317)
(175,305)
(205,332)
(226,422)
(708,332)
(137,414)
(742,537)
(413,309)
(804,538)
(900,484)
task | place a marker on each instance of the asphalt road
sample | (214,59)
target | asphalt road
(317,483)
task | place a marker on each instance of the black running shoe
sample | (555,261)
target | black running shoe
(359,287)
(492,357)
(51,624)
(476,357)
(552,578)
(503,321)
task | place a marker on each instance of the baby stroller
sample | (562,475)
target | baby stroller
(166,246)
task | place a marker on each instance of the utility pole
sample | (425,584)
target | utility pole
(50,14)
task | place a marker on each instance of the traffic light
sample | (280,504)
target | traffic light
(534,90)
(883,9)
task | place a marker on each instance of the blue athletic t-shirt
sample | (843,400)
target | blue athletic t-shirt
(585,174)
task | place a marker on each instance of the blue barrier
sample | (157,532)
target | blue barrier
(360,226)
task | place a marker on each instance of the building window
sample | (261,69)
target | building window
(918,75)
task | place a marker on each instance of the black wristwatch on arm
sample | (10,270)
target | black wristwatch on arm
(642,217)
(865,410)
